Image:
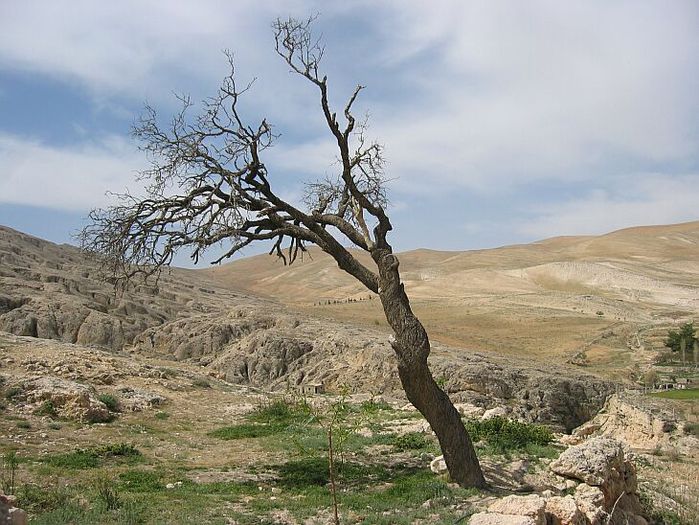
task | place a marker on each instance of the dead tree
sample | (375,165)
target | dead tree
(208,184)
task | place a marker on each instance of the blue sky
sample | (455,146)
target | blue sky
(503,122)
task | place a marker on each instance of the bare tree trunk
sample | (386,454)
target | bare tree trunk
(412,347)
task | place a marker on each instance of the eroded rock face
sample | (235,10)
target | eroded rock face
(54,292)
(640,422)
(57,292)
(602,463)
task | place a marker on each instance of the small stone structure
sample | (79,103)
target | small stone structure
(312,388)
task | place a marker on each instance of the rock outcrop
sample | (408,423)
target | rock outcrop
(66,399)
(639,421)
(607,492)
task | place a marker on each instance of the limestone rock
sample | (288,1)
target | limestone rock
(599,462)
(639,421)
(494,412)
(438,465)
(136,399)
(468,410)
(590,501)
(531,506)
(563,510)
(489,518)
(70,399)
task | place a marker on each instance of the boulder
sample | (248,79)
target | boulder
(438,465)
(135,399)
(599,462)
(9,514)
(563,510)
(531,506)
(590,501)
(69,399)
(494,412)
(489,518)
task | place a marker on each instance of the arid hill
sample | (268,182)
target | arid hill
(55,292)
(593,300)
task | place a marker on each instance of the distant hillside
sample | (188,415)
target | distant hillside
(55,292)
(658,264)
(587,298)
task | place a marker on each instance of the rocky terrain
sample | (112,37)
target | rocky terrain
(164,367)
(53,292)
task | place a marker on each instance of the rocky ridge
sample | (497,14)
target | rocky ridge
(53,292)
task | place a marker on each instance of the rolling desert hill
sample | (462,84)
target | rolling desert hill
(594,300)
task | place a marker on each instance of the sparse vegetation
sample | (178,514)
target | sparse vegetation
(111,402)
(201,382)
(46,408)
(13,392)
(94,457)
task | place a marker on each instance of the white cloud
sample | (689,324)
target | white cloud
(642,199)
(74,178)
(518,92)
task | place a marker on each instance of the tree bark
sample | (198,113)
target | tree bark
(412,347)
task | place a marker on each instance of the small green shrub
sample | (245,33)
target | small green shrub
(107,493)
(47,408)
(246,430)
(92,457)
(141,481)
(13,392)
(36,499)
(110,401)
(281,412)
(55,426)
(201,382)
(23,423)
(8,474)
(78,459)
(504,434)
(372,406)
(411,441)
(161,415)
(692,429)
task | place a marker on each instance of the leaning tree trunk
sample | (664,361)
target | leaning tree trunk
(412,347)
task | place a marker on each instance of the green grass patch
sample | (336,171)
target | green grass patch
(415,441)
(47,408)
(267,420)
(503,435)
(373,407)
(141,481)
(12,392)
(94,457)
(689,393)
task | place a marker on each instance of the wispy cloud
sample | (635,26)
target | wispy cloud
(75,178)
(642,199)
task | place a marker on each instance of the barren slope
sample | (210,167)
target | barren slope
(582,299)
